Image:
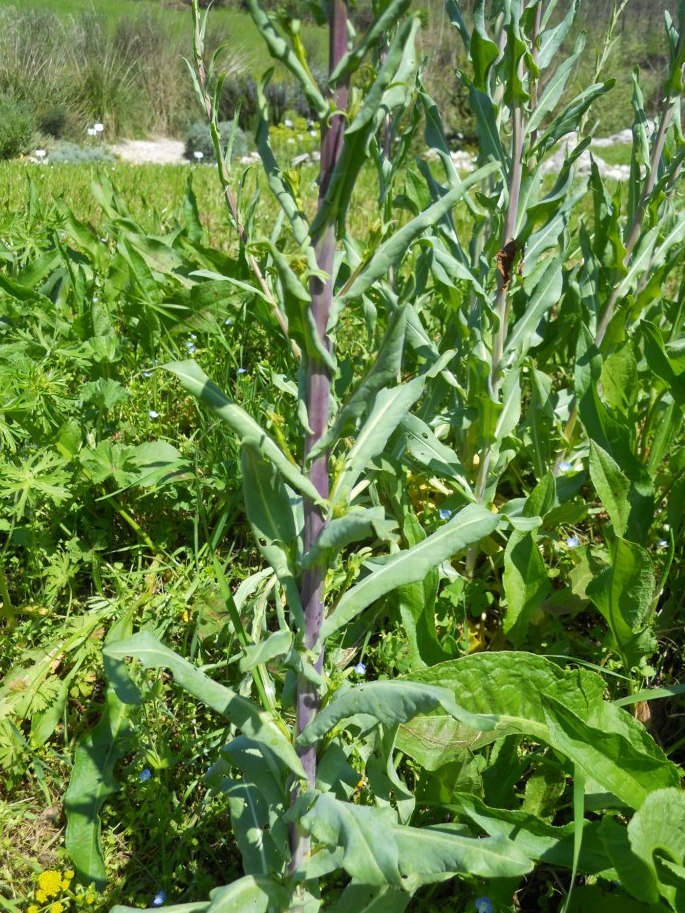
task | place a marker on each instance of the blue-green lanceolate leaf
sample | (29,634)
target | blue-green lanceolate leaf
(612,487)
(426,450)
(92,782)
(465,529)
(241,711)
(250,822)
(390,703)
(357,524)
(92,779)
(252,893)
(364,898)
(389,408)
(624,594)
(379,851)
(526,584)
(391,252)
(271,518)
(195,381)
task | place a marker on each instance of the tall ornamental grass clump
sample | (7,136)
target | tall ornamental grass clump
(498,366)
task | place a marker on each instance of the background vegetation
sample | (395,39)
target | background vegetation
(122,500)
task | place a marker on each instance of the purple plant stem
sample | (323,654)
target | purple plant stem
(318,407)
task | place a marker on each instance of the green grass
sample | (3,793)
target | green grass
(235,24)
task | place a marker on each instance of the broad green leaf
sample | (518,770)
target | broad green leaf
(271,517)
(611,486)
(615,758)
(466,528)
(390,703)
(536,838)
(526,584)
(241,711)
(624,594)
(200,906)
(195,381)
(657,835)
(490,684)
(379,851)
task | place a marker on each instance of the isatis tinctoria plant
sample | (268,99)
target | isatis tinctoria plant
(377,789)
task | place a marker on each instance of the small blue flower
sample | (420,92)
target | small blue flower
(484,905)
(145,775)
(191,347)
(360,669)
(153,414)
(444,513)
(147,373)
(241,371)
(565,467)
(573,542)
(228,321)
(159,898)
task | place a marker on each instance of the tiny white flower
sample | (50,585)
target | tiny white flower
(147,373)
(291,140)
(565,467)
(573,542)
(99,128)
(360,669)
(198,154)
(287,122)
(228,321)
(40,153)
(191,347)
(241,371)
(313,133)
(91,131)
(663,543)
(153,414)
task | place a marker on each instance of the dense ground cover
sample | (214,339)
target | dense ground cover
(124,510)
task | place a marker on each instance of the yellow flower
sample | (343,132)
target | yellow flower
(41,896)
(50,883)
(57,908)
(69,874)
(32,909)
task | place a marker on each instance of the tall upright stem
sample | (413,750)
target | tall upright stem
(318,406)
